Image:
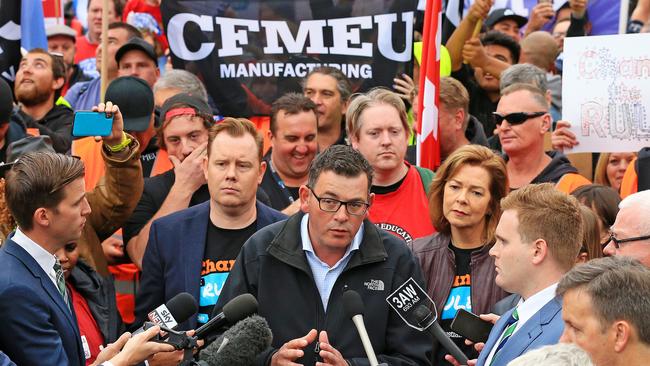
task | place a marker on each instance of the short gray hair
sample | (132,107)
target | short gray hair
(342,82)
(525,74)
(536,93)
(565,354)
(618,287)
(183,80)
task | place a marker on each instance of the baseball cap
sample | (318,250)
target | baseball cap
(6,101)
(502,14)
(135,99)
(60,30)
(136,43)
(171,106)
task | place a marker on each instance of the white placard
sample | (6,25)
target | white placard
(606,91)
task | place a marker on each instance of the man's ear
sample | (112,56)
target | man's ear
(540,251)
(623,332)
(58,84)
(459,118)
(41,217)
(261,173)
(204,164)
(303,194)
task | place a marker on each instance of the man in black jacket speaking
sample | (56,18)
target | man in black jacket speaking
(298,270)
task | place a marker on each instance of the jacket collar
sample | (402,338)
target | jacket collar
(286,246)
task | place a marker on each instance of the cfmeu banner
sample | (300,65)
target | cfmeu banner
(248,53)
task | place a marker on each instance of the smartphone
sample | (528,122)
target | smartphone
(470,326)
(87,123)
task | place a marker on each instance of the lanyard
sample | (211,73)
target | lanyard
(280,183)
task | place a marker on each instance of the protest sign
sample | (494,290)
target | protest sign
(605,92)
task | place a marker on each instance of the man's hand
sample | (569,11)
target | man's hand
(134,350)
(474,53)
(189,172)
(292,350)
(562,137)
(453,361)
(113,248)
(405,88)
(292,208)
(492,318)
(112,349)
(115,138)
(479,10)
(578,8)
(330,355)
(173,358)
(542,13)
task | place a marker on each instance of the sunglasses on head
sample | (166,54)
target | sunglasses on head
(516,118)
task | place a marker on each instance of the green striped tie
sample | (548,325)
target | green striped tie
(60,281)
(511,326)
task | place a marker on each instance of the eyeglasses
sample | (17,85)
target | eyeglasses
(618,242)
(356,208)
(516,118)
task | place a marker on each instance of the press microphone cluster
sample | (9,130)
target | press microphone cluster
(235,310)
(177,310)
(240,345)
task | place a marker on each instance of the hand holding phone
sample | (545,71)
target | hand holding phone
(470,326)
(88,123)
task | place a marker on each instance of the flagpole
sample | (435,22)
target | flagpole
(622,16)
(103,70)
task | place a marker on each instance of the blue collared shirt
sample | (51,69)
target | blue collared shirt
(324,275)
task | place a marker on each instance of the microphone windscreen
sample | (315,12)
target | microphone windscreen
(239,345)
(182,306)
(352,303)
(240,307)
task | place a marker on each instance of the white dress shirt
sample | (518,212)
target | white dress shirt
(44,258)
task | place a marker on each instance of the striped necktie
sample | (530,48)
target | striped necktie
(511,325)
(60,282)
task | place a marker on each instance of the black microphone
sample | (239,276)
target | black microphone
(177,310)
(353,307)
(425,319)
(239,345)
(234,311)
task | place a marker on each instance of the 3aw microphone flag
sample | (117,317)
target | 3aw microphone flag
(428,144)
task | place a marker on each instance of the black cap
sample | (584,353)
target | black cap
(135,99)
(6,101)
(502,14)
(28,144)
(136,43)
(199,106)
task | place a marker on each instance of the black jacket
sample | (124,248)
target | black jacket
(273,267)
(99,292)
(57,124)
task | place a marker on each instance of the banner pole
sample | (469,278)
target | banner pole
(104,42)
(622,16)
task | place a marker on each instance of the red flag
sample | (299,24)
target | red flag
(428,145)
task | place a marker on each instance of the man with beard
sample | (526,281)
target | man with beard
(38,85)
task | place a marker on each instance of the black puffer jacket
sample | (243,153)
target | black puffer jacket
(273,267)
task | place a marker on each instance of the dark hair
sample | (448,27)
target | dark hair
(132,31)
(618,287)
(342,83)
(602,199)
(342,160)
(290,103)
(236,127)
(503,40)
(37,180)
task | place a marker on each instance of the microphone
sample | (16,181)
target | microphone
(177,310)
(239,345)
(425,319)
(353,307)
(235,310)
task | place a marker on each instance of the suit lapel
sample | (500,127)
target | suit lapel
(531,330)
(195,234)
(495,335)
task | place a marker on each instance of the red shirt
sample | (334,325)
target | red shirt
(85,49)
(91,336)
(404,212)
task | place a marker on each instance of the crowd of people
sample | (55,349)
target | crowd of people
(98,231)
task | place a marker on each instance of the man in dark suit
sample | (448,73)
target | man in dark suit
(45,193)
(193,250)
(538,240)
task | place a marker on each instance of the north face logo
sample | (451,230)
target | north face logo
(375,285)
